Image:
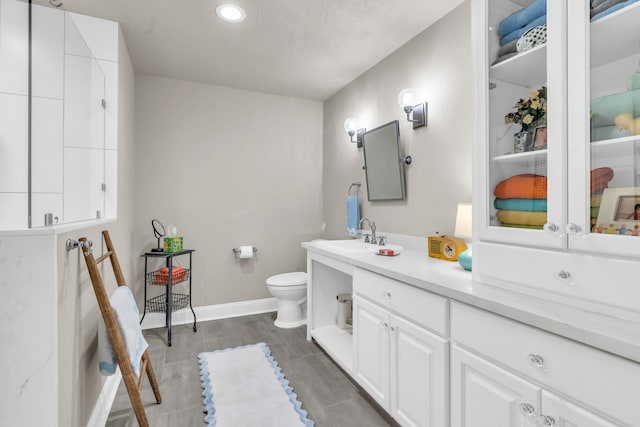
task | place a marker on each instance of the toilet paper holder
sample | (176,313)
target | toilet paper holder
(237,250)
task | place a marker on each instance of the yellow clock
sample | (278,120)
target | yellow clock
(445,247)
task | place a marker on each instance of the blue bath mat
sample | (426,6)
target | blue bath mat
(244,386)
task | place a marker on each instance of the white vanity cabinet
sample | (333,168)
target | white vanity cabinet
(400,357)
(506,374)
(571,235)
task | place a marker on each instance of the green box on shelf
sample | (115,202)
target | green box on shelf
(172,244)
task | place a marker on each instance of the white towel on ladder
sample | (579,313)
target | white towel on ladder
(128,318)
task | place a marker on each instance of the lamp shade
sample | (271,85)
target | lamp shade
(464,221)
(407,97)
(351,124)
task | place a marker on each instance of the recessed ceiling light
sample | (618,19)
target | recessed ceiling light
(231,12)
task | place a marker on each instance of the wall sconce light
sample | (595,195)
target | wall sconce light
(416,113)
(351,126)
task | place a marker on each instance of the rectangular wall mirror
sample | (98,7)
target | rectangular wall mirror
(383,163)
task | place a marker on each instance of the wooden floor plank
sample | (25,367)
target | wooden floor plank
(326,392)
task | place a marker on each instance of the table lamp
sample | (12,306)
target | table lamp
(463,230)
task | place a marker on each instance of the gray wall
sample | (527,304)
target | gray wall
(228,167)
(437,63)
(80,383)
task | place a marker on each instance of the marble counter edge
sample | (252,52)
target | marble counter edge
(449,280)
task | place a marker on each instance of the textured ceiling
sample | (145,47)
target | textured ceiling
(300,48)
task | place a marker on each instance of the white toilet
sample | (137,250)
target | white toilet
(290,289)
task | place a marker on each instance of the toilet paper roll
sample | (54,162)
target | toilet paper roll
(246,252)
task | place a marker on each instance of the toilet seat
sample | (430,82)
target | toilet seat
(288,279)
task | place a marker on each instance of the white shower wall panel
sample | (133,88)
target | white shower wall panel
(47,145)
(13,211)
(83,94)
(110,70)
(47,52)
(14,43)
(83,177)
(42,203)
(13,143)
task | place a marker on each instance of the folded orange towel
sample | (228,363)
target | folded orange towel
(600,178)
(162,275)
(525,186)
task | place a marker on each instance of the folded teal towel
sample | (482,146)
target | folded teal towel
(516,34)
(529,205)
(522,17)
(605,109)
(353,215)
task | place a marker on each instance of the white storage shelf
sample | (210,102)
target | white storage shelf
(606,45)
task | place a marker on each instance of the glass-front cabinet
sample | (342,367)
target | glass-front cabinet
(557,150)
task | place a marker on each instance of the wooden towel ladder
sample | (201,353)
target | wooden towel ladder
(113,330)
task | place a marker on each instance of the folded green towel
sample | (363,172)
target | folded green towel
(532,227)
(605,109)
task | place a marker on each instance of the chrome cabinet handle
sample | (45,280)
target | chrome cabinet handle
(550,227)
(537,361)
(564,276)
(547,421)
(573,228)
(386,294)
(392,329)
(384,324)
(528,410)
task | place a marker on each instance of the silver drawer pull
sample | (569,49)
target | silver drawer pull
(564,276)
(537,361)
(528,410)
(547,421)
(551,228)
(386,294)
(384,324)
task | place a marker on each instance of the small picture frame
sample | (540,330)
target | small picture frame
(619,211)
(540,138)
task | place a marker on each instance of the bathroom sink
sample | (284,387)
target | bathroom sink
(354,246)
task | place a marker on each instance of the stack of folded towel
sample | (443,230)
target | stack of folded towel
(602,8)
(519,22)
(521,201)
(600,178)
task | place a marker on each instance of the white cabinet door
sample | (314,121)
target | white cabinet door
(371,349)
(419,374)
(484,395)
(558,412)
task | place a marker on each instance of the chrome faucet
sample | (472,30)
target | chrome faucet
(372,226)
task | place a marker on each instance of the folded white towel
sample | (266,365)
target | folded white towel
(128,318)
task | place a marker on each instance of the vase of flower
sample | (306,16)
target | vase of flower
(520,140)
(529,114)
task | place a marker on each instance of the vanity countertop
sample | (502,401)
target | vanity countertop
(450,280)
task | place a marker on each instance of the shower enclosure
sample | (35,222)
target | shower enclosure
(58,121)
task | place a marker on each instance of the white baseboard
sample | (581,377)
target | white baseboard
(156,320)
(212,312)
(102,407)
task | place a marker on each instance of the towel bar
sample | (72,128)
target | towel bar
(354,184)
(73,244)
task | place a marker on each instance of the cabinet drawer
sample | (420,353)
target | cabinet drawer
(594,283)
(415,304)
(609,383)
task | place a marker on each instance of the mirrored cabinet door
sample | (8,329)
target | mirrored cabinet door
(604,108)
